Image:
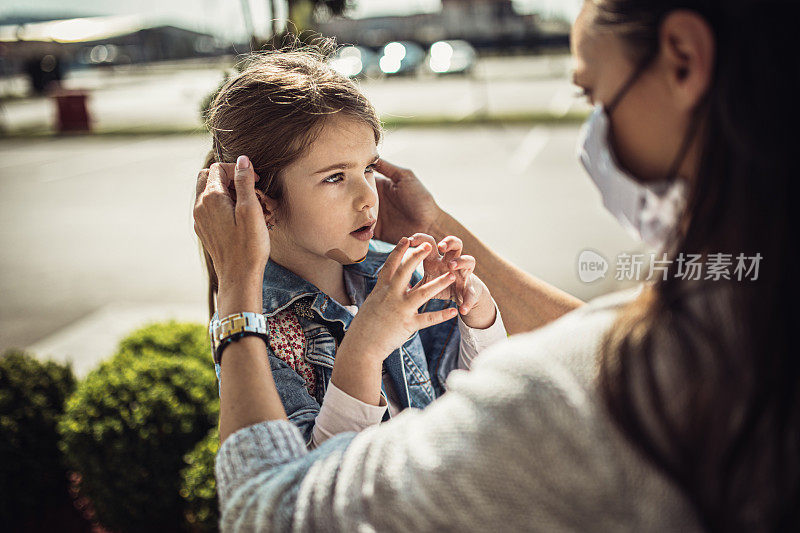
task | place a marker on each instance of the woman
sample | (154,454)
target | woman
(672,407)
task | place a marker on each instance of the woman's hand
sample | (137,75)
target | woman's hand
(474,301)
(406,205)
(389,316)
(233,232)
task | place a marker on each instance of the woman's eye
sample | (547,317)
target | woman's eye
(336,178)
(370,168)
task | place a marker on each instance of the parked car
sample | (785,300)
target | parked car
(355,62)
(451,57)
(401,57)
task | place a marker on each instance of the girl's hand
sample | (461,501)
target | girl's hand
(389,315)
(469,292)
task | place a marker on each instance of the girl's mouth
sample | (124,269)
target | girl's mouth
(364,233)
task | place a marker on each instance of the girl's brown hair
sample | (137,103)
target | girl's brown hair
(703,376)
(273,110)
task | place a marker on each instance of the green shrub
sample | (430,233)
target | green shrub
(33,477)
(199,488)
(128,426)
(170,338)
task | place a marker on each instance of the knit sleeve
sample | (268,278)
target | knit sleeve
(519,443)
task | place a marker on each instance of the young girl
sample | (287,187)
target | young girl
(312,139)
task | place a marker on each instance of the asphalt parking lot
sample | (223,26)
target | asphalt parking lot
(98,236)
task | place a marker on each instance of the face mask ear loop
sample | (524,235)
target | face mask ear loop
(694,126)
(633,78)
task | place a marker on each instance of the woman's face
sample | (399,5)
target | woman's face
(651,121)
(330,193)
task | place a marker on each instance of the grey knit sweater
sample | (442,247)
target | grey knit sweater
(519,443)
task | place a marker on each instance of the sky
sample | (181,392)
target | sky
(224,17)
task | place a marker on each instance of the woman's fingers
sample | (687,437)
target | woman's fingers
(393,172)
(423,293)
(244,181)
(394,259)
(402,275)
(202,179)
(426,320)
(222,174)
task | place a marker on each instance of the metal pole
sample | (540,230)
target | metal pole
(273,13)
(248,23)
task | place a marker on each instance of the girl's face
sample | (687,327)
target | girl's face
(330,197)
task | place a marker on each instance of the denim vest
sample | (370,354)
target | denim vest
(417,369)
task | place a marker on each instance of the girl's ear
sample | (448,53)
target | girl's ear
(268,206)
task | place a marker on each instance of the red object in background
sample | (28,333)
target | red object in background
(72,113)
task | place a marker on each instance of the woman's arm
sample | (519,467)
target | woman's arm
(407,207)
(525,301)
(235,235)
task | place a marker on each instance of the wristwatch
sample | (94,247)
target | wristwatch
(232,328)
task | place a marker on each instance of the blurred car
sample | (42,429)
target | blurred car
(355,62)
(451,57)
(401,57)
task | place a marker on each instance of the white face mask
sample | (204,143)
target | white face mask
(649,212)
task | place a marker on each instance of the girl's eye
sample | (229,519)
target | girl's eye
(336,178)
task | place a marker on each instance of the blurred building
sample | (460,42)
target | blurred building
(55,45)
(486,24)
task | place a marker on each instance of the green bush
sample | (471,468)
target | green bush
(33,477)
(129,425)
(170,338)
(199,488)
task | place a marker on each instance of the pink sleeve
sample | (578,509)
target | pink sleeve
(474,341)
(340,413)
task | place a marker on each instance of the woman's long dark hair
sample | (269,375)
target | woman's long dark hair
(700,375)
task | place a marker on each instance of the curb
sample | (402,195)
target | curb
(389,122)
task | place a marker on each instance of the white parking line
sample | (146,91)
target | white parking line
(529,149)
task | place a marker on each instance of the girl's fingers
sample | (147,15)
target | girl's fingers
(463,268)
(426,320)
(419,238)
(470,298)
(450,247)
(465,264)
(402,274)
(431,263)
(425,292)
(394,259)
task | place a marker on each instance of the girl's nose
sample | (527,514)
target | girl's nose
(367,195)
